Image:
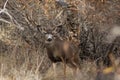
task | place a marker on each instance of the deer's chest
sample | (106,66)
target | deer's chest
(55,51)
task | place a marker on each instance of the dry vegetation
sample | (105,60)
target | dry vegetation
(94,25)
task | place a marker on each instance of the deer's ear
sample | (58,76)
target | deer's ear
(41,29)
(60,28)
(38,27)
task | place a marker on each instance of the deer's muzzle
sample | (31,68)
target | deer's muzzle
(49,37)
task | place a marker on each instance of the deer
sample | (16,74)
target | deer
(60,50)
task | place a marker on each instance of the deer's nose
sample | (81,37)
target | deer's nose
(49,39)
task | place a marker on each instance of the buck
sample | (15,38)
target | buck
(59,50)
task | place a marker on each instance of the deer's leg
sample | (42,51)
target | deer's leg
(64,69)
(64,66)
(54,69)
(76,71)
(76,62)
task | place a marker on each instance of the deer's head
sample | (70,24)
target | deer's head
(50,33)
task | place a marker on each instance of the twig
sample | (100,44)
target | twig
(39,64)
(4,10)
(59,14)
(4,7)
(5,21)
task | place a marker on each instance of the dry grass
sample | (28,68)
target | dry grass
(10,72)
(13,69)
(18,74)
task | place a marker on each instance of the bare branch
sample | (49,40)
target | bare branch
(4,10)
(59,14)
(5,21)
(4,7)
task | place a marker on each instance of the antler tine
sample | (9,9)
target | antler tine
(59,24)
